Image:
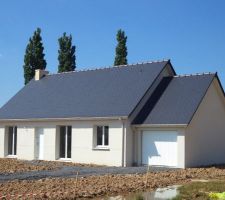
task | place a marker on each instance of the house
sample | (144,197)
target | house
(141,114)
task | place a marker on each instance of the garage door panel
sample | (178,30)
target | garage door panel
(159,148)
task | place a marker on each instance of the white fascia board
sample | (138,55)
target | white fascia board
(160,125)
(65,119)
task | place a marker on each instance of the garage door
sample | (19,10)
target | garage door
(159,148)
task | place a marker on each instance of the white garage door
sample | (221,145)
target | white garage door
(159,148)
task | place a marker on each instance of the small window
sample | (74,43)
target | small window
(102,136)
(12,140)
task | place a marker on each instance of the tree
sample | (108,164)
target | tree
(34,56)
(121,49)
(66,57)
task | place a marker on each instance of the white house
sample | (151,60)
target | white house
(119,116)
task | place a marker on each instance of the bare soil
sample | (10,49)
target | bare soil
(95,186)
(10,165)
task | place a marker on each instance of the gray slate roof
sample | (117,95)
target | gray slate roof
(178,101)
(105,92)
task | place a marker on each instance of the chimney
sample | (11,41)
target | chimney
(39,74)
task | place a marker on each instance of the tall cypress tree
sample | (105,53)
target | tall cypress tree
(66,57)
(121,49)
(39,61)
(34,56)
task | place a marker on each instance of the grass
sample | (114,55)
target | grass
(139,197)
(200,190)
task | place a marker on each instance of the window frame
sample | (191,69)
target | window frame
(13,142)
(66,142)
(103,145)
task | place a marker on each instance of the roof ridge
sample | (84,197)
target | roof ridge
(110,67)
(195,74)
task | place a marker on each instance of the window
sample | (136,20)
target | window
(65,142)
(12,140)
(102,136)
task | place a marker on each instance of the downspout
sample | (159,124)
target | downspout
(123,144)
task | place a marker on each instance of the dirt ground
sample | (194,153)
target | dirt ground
(9,165)
(94,186)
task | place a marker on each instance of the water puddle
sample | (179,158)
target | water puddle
(162,193)
(159,194)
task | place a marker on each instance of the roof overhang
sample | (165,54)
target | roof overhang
(64,119)
(159,125)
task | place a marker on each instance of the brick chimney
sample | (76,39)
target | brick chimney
(39,74)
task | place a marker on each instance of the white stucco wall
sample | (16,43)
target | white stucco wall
(205,135)
(83,149)
(129,145)
(2,139)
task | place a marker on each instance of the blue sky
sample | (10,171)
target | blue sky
(189,32)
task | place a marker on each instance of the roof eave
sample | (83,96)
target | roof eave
(160,125)
(64,119)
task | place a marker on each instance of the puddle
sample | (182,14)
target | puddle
(159,194)
(163,193)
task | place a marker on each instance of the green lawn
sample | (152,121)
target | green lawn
(200,190)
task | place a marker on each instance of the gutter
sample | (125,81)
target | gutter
(64,119)
(159,125)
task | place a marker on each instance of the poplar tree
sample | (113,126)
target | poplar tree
(121,48)
(34,56)
(66,54)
